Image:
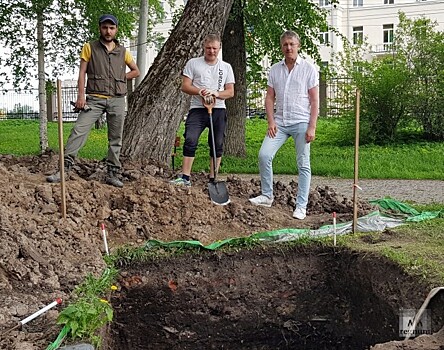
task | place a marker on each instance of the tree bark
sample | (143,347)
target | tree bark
(157,105)
(233,52)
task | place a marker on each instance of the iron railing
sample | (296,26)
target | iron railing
(25,105)
(336,98)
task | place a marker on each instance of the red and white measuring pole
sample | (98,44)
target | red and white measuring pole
(34,315)
(41,311)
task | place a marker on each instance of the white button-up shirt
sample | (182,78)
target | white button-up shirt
(291,91)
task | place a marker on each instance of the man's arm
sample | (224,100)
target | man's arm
(313,96)
(134,70)
(188,87)
(270,98)
(228,92)
(81,98)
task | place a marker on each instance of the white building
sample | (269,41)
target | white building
(374,20)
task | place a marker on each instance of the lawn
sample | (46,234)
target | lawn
(330,156)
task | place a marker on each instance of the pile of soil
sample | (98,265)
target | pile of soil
(43,256)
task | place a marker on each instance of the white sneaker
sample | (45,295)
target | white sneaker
(262,200)
(300,213)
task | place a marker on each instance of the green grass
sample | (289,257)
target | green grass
(330,155)
(417,247)
(22,138)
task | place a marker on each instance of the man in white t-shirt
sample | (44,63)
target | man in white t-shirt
(205,76)
(293,85)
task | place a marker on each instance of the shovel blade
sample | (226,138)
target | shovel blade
(218,193)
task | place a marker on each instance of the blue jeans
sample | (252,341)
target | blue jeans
(268,150)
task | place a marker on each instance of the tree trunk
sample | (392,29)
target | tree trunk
(42,88)
(157,105)
(233,52)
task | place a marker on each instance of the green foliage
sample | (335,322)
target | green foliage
(264,24)
(383,89)
(67,25)
(126,11)
(399,89)
(90,309)
(266,21)
(24,110)
(421,48)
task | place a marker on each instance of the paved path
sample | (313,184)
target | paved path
(418,191)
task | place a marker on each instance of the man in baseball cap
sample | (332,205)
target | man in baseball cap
(108,18)
(103,62)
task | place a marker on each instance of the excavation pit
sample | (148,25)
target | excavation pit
(279,297)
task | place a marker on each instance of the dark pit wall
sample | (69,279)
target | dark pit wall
(276,297)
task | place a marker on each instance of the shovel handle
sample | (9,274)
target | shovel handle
(209,102)
(209,106)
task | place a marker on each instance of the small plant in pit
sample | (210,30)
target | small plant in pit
(90,309)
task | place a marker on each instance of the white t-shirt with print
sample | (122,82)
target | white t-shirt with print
(212,77)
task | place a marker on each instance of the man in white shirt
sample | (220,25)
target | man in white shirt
(205,76)
(293,85)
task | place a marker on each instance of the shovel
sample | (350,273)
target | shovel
(217,190)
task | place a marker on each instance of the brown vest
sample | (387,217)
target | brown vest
(106,70)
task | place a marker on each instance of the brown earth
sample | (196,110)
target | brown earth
(43,256)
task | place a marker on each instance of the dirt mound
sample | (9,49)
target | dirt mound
(43,257)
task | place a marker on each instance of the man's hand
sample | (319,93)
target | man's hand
(272,129)
(81,102)
(209,100)
(202,93)
(208,92)
(213,93)
(310,134)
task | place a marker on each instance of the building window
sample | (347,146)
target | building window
(358,35)
(387,36)
(386,2)
(324,3)
(358,3)
(323,38)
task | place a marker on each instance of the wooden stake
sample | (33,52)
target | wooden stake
(355,184)
(61,152)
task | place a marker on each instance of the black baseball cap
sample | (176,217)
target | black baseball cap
(108,18)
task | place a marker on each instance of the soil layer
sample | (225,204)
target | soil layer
(276,297)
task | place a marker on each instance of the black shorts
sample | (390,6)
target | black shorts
(197,120)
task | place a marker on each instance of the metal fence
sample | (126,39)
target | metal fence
(335,94)
(19,105)
(25,105)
